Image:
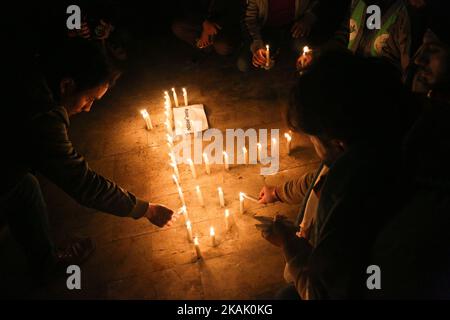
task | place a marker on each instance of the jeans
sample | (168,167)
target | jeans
(25,211)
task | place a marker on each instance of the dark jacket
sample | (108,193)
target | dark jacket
(413,250)
(354,204)
(38,140)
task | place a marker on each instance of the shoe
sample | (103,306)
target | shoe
(75,253)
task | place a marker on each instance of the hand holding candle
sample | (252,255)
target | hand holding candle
(200,196)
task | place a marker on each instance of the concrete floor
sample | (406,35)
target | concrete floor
(136,260)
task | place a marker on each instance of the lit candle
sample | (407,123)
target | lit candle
(221,197)
(147,119)
(288,141)
(191,164)
(172,157)
(183,212)
(212,234)
(175,97)
(168,127)
(175,169)
(227,220)
(241,203)
(306,51)
(180,193)
(244,151)
(189,230)
(197,248)
(267,56)
(225,161)
(259,151)
(169,140)
(200,196)
(185,97)
(174,177)
(206,160)
(167,99)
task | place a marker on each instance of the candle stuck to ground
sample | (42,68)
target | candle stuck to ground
(183,212)
(259,151)
(168,127)
(221,197)
(241,203)
(185,97)
(227,220)
(288,142)
(148,120)
(191,165)
(189,230)
(206,160)
(175,180)
(180,193)
(212,234)
(244,151)
(175,169)
(267,55)
(200,196)
(175,97)
(225,161)
(197,248)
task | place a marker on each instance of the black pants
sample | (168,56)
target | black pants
(26,213)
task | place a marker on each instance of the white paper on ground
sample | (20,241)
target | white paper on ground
(190,119)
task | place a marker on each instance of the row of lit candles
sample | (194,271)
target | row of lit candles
(176,175)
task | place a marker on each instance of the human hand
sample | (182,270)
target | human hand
(103,30)
(267,195)
(281,232)
(301,28)
(259,59)
(304,61)
(160,215)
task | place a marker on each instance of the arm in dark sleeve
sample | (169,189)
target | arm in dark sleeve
(252,26)
(294,191)
(54,156)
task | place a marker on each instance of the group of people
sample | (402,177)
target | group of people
(374,101)
(374,104)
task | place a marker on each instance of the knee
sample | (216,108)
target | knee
(29,187)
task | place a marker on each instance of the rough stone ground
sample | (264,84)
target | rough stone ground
(136,260)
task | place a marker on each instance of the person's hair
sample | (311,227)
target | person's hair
(81,60)
(346,97)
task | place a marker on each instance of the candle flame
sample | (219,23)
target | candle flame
(197,188)
(259,146)
(190,161)
(244,149)
(144,113)
(267,47)
(288,136)
(211,232)
(274,140)
(196,241)
(219,189)
(227,213)
(188,224)
(241,195)
(306,49)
